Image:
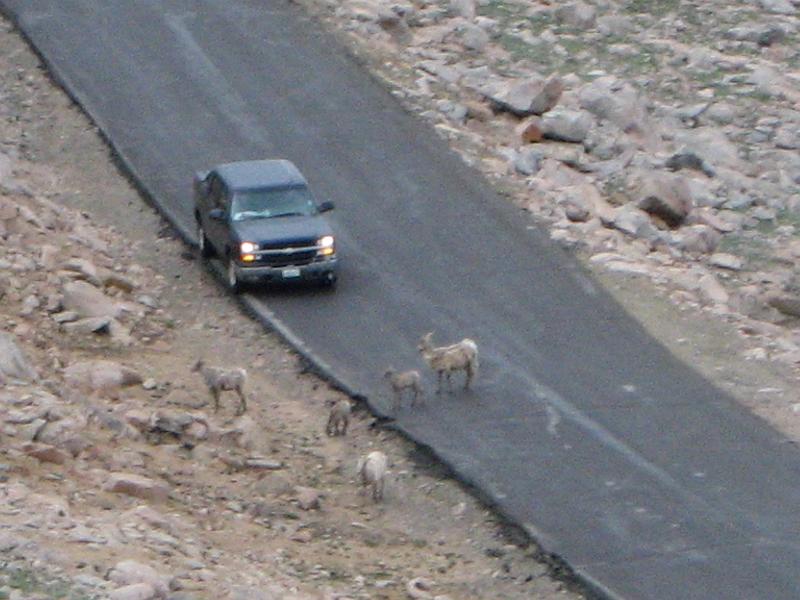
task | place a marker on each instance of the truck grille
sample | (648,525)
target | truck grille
(296,259)
(294,253)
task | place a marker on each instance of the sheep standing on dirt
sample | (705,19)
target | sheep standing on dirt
(371,471)
(400,382)
(444,360)
(339,417)
(219,379)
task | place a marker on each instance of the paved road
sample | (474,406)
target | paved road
(649,482)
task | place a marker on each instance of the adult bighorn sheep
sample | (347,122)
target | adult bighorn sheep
(371,471)
(444,360)
(218,379)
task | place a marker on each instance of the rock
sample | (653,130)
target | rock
(130,572)
(527,161)
(100,325)
(785,304)
(634,221)
(531,96)
(88,301)
(576,14)
(307,498)
(788,137)
(712,290)
(263,463)
(566,125)
(85,268)
(696,239)
(614,100)
(663,195)
(688,160)
(100,375)
(45,453)
(726,261)
(115,280)
(779,7)
(13,362)
(615,25)
(136,591)
(138,486)
(66,316)
(474,38)
(478,111)
(419,589)
(463,8)
(530,130)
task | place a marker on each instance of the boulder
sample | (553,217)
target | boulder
(463,8)
(473,37)
(13,362)
(136,591)
(613,100)
(138,486)
(663,195)
(527,161)
(45,453)
(88,301)
(785,304)
(100,375)
(131,572)
(567,125)
(307,498)
(576,14)
(696,239)
(532,96)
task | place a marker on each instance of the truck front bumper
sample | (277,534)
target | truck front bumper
(322,271)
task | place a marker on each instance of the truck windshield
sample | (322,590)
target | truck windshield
(268,204)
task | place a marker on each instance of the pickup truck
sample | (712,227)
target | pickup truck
(261,219)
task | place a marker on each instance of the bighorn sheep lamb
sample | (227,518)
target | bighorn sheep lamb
(462,356)
(339,417)
(219,379)
(371,470)
(406,380)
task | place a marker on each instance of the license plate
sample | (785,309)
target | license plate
(290,273)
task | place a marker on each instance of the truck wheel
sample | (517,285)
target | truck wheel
(234,284)
(328,282)
(203,245)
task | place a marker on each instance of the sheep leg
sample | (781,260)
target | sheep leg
(329,430)
(215,392)
(379,486)
(242,401)
(439,381)
(344,422)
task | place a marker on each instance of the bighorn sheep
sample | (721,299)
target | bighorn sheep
(219,379)
(339,417)
(462,356)
(406,380)
(371,470)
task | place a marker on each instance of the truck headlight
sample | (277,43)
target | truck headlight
(247,247)
(325,244)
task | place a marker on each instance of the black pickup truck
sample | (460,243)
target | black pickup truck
(261,219)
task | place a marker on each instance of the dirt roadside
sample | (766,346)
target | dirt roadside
(243,533)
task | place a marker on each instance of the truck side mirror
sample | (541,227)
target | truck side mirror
(217,214)
(326,206)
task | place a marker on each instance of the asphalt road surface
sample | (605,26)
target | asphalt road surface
(644,478)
